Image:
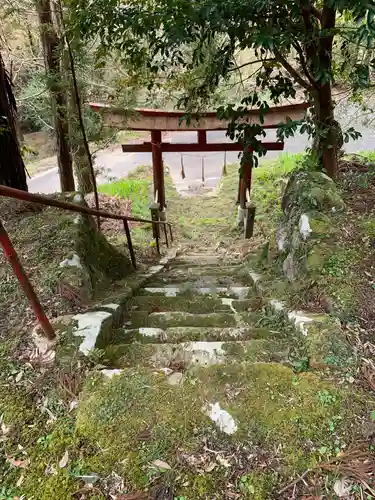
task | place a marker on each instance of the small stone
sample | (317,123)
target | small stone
(175,378)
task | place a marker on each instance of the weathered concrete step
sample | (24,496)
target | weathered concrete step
(178,318)
(172,335)
(180,357)
(236,292)
(197,304)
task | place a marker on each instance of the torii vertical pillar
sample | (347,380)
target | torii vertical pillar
(157,168)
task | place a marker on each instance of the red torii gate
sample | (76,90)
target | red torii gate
(157,121)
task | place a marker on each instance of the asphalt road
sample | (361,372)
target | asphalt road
(114,164)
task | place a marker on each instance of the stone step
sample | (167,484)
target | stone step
(180,265)
(198,271)
(184,356)
(179,318)
(200,259)
(148,335)
(191,289)
(203,281)
(197,304)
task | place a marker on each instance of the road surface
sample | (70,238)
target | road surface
(114,164)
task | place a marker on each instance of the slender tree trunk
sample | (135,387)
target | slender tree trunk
(82,168)
(81,161)
(52,56)
(328,140)
(12,168)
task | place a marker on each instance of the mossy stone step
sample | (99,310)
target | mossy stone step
(183,356)
(179,318)
(201,259)
(191,289)
(177,334)
(193,271)
(196,304)
(202,281)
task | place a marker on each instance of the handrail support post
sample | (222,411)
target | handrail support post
(25,283)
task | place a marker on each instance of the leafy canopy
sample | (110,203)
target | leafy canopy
(291,44)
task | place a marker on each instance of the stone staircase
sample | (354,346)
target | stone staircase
(199,310)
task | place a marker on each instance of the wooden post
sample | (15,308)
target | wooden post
(155,216)
(245,181)
(249,220)
(157,167)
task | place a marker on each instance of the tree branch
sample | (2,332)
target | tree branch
(302,60)
(293,73)
(251,62)
(316,12)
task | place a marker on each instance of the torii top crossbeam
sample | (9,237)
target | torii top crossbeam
(158,119)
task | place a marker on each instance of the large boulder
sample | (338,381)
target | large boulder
(305,229)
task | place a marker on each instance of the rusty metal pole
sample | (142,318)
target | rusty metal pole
(157,167)
(19,271)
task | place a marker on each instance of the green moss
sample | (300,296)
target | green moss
(321,226)
(257,350)
(256,485)
(193,304)
(269,403)
(308,191)
(168,319)
(326,343)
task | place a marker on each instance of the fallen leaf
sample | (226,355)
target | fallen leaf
(342,487)
(64,461)
(20,464)
(91,478)
(222,461)
(73,404)
(4,429)
(160,464)
(19,376)
(20,481)
(210,467)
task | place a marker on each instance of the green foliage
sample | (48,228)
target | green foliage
(208,37)
(35,107)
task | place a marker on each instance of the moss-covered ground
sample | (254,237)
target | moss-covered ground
(67,431)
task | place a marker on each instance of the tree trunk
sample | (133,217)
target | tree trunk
(52,52)
(12,168)
(82,168)
(327,142)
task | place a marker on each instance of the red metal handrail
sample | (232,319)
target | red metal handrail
(11,253)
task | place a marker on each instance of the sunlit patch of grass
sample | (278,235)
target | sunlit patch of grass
(135,190)
(282,166)
(367,156)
